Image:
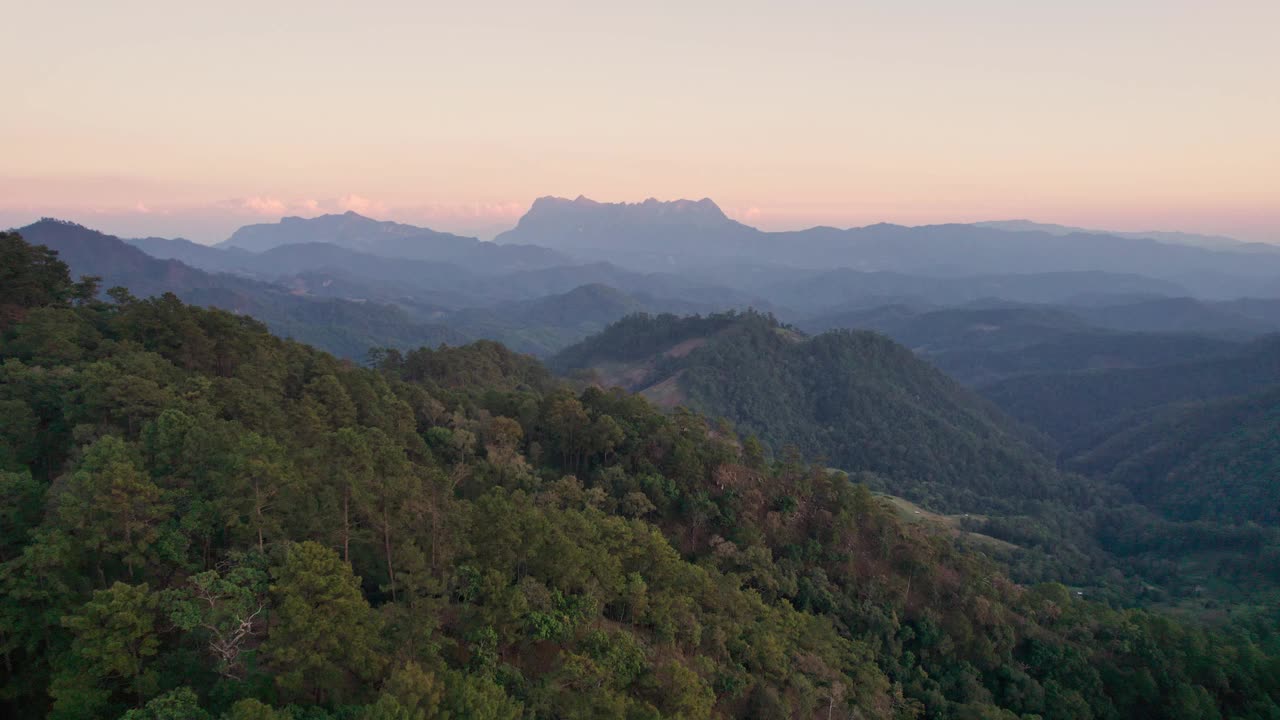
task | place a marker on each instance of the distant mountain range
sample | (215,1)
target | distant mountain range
(658,235)
(390,239)
(1212,242)
(981,344)
(341,326)
(570,267)
(347,301)
(844,289)
(696,242)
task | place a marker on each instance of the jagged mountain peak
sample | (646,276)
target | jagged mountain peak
(648,209)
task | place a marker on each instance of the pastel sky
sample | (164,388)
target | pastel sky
(183,118)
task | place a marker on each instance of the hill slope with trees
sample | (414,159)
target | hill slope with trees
(1077,408)
(202,520)
(1217,460)
(856,399)
(983,345)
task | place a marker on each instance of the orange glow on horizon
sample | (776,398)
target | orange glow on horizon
(192,120)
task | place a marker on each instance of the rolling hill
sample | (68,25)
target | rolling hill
(1215,242)
(1217,460)
(1188,315)
(419,285)
(390,239)
(343,327)
(981,345)
(858,399)
(831,292)
(544,325)
(1076,408)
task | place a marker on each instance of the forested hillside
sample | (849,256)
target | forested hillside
(1079,407)
(862,403)
(857,400)
(544,325)
(1216,460)
(983,345)
(202,520)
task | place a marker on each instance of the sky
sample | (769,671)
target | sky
(191,119)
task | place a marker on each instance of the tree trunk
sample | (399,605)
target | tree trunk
(386,544)
(257,511)
(128,541)
(346,524)
(435,538)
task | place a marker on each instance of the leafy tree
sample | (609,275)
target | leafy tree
(31,276)
(260,476)
(180,704)
(254,709)
(20,511)
(111,507)
(228,608)
(115,638)
(323,642)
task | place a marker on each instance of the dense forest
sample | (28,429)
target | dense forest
(853,399)
(1196,442)
(1079,407)
(1214,460)
(1134,533)
(202,520)
(980,345)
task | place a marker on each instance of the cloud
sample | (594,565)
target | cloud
(490,211)
(262,205)
(362,205)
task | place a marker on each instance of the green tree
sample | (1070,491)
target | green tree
(386,499)
(20,511)
(227,609)
(180,704)
(322,645)
(350,462)
(114,639)
(568,425)
(113,508)
(30,276)
(417,690)
(260,475)
(254,709)
(473,696)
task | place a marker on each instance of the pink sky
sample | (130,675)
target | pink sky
(180,119)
